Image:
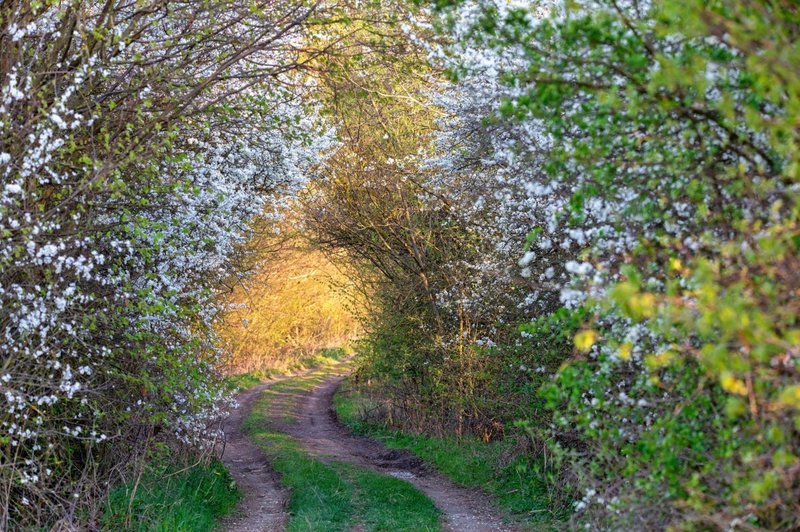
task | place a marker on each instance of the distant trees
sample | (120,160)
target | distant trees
(297,304)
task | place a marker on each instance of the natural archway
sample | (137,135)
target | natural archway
(558,241)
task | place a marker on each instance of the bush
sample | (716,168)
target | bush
(128,183)
(658,147)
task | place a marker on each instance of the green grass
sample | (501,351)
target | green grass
(499,467)
(321,358)
(320,499)
(388,503)
(333,496)
(243,381)
(168,499)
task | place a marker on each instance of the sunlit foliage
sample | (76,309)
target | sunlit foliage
(298,303)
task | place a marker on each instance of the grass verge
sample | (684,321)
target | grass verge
(170,499)
(501,468)
(332,496)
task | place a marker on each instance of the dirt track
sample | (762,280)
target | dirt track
(313,424)
(264,505)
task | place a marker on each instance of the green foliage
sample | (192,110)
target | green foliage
(168,498)
(680,408)
(699,418)
(422,387)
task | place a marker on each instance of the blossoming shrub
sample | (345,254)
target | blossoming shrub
(665,133)
(128,182)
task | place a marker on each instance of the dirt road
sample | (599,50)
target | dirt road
(308,417)
(264,505)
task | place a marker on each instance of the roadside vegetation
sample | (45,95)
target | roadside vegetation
(589,223)
(142,145)
(168,498)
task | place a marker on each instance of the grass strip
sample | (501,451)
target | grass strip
(320,359)
(386,503)
(332,496)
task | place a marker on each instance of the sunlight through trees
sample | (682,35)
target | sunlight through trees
(570,225)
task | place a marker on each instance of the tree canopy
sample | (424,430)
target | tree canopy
(572,220)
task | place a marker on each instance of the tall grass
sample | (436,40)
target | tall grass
(167,498)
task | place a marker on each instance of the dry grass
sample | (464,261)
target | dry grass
(297,303)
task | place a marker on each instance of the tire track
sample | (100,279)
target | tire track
(316,428)
(263,508)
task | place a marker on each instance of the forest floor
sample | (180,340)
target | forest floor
(314,474)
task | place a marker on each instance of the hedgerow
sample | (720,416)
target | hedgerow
(138,143)
(655,146)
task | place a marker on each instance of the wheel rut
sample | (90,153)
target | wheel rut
(264,505)
(309,418)
(319,432)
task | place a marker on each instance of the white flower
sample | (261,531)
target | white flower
(526,259)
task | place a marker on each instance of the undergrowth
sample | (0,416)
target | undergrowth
(168,498)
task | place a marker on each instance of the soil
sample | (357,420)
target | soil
(264,505)
(311,420)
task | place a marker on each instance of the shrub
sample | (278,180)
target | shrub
(660,143)
(128,182)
